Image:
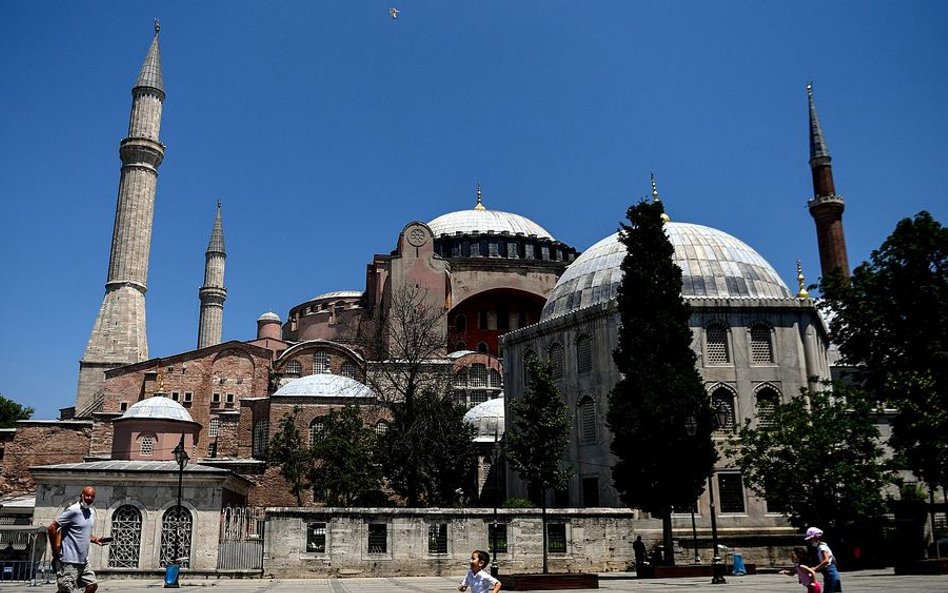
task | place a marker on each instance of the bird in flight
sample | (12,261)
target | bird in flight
(393,12)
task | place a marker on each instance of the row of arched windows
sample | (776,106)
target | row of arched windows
(724,398)
(556,354)
(321,366)
(717,349)
(126,532)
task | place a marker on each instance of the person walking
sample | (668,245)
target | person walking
(69,536)
(638,547)
(827,562)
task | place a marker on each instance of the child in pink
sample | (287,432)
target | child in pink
(805,575)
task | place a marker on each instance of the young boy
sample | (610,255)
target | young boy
(477,578)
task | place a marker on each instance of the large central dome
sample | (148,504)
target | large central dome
(481,220)
(713,264)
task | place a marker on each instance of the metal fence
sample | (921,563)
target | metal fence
(240,545)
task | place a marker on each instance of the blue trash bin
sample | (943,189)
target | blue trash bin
(171,575)
(738,569)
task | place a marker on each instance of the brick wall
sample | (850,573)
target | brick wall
(42,443)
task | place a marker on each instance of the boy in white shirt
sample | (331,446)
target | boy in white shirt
(478,579)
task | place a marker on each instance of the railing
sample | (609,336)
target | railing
(240,545)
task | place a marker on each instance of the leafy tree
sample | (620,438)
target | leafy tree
(659,465)
(817,458)
(891,324)
(10,412)
(538,435)
(435,441)
(344,471)
(287,451)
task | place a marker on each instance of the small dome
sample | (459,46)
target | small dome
(325,385)
(339,294)
(483,221)
(157,408)
(713,264)
(270,316)
(488,418)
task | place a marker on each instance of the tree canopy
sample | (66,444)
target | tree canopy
(660,465)
(817,458)
(891,324)
(344,469)
(10,412)
(287,451)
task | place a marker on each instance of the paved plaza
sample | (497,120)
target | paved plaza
(868,581)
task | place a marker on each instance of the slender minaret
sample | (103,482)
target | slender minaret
(826,207)
(118,336)
(213,292)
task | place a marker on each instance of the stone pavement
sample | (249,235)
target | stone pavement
(867,581)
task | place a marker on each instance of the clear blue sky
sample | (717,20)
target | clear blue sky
(324,127)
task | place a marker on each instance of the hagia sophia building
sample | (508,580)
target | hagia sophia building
(508,290)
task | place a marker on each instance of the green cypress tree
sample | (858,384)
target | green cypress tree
(659,465)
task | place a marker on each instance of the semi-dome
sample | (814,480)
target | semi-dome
(157,408)
(324,385)
(713,264)
(488,418)
(482,220)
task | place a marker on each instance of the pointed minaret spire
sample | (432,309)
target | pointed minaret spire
(213,294)
(118,335)
(480,203)
(826,207)
(656,197)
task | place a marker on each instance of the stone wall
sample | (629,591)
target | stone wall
(42,443)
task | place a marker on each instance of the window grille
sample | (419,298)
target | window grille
(495,380)
(493,249)
(381,428)
(349,369)
(316,538)
(497,537)
(213,427)
(460,378)
(761,348)
(528,249)
(477,397)
(513,250)
(126,537)
(294,367)
(378,538)
(545,253)
(556,538)
(477,375)
(556,360)
(767,400)
(176,537)
(583,354)
(438,538)
(717,345)
(315,427)
(260,437)
(587,420)
(731,493)
(147,445)
(724,399)
(320,363)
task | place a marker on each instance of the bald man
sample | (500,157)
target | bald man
(70,535)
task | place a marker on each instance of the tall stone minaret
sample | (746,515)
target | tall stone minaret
(826,207)
(213,292)
(118,336)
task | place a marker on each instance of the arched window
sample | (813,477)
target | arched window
(767,400)
(460,323)
(214,427)
(482,347)
(147,444)
(586,414)
(477,375)
(381,427)
(762,351)
(176,537)
(717,350)
(320,363)
(349,369)
(294,368)
(495,380)
(126,537)
(315,427)
(556,360)
(584,354)
(261,436)
(722,398)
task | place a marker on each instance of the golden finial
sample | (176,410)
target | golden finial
(159,383)
(480,204)
(157,26)
(801,282)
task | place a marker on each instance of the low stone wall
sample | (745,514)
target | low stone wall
(383,542)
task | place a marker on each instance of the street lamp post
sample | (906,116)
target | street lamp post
(494,568)
(181,457)
(717,565)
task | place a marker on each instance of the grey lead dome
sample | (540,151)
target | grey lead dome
(713,264)
(484,221)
